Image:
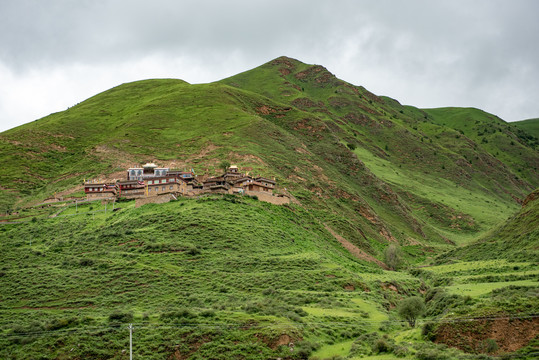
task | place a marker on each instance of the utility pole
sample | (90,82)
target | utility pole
(130,341)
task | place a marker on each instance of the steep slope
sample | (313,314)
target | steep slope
(373,170)
(419,157)
(516,239)
(531,126)
(503,141)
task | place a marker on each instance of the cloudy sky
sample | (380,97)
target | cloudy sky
(426,53)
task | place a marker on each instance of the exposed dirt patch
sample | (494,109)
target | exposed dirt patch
(121,158)
(310,126)
(285,71)
(354,250)
(268,110)
(389,286)
(306,103)
(274,343)
(361,120)
(319,75)
(413,242)
(193,347)
(284,62)
(302,150)
(532,197)
(12,142)
(471,336)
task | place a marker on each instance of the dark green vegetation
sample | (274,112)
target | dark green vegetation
(531,126)
(229,277)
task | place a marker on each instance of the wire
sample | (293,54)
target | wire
(147,325)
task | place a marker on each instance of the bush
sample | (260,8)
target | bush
(119,316)
(428,331)
(490,345)
(177,314)
(381,346)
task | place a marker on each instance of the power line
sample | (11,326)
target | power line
(147,325)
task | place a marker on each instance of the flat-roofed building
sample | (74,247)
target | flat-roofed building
(96,191)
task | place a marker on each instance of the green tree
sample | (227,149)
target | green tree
(411,308)
(224,165)
(393,257)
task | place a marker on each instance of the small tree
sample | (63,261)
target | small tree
(224,165)
(393,257)
(411,308)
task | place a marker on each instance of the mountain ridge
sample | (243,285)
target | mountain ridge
(324,139)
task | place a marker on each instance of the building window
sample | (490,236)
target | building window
(163,188)
(171,187)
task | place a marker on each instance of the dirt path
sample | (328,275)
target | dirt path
(354,250)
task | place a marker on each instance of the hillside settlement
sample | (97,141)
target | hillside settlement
(155,183)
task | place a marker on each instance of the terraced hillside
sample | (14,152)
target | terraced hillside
(213,278)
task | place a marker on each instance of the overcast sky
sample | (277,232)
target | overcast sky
(426,53)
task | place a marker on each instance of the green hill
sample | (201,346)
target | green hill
(383,169)
(516,239)
(230,277)
(531,126)
(216,277)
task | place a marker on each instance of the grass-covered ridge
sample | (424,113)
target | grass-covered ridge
(381,170)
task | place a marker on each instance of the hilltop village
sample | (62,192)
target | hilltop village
(158,183)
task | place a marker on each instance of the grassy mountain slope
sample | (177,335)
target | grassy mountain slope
(516,239)
(418,156)
(500,272)
(226,275)
(231,277)
(374,170)
(531,126)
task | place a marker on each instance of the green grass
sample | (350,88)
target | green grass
(375,314)
(531,126)
(478,289)
(465,266)
(166,262)
(339,349)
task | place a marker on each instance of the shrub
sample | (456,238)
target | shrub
(119,316)
(381,346)
(490,345)
(428,331)
(182,313)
